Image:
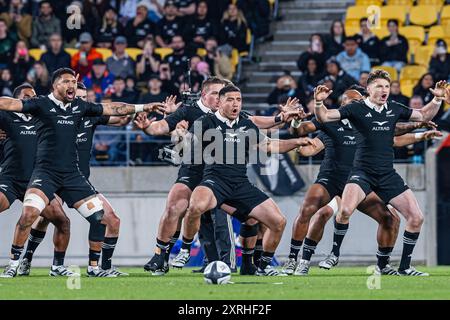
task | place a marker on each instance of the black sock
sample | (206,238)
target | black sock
(172,242)
(409,242)
(58,258)
(383,255)
(258,251)
(187,244)
(34,239)
(296,245)
(94,256)
(339,233)
(247,256)
(266,259)
(308,249)
(108,246)
(16,251)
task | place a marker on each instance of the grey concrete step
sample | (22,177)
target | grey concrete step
(307,14)
(316,4)
(291,35)
(305,26)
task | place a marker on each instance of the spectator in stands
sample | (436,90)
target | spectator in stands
(353,60)
(422,88)
(233,30)
(130,88)
(165,75)
(109,29)
(82,60)
(178,59)
(91,96)
(286,87)
(363,78)
(137,29)
(6,83)
(7,42)
(56,57)
(309,79)
(222,62)
(119,93)
(20,63)
(186,8)
(147,62)
(99,79)
(368,42)
(201,28)
(39,78)
(169,26)
(339,79)
(440,62)
(120,64)
(128,9)
(334,41)
(396,94)
(316,51)
(257,14)
(154,94)
(416,102)
(18,19)
(211,51)
(44,26)
(394,48)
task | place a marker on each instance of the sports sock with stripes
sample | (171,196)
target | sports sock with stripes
(340,230)
(266,259)
(16,251)
(58,258)
(258,251)
(187,244)
(172,242)
(247,256)
(108,246)
(94,256)
(34,239)
(383,255)
(296,245)
(308,249)
(409,242)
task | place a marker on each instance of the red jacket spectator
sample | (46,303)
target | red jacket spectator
(83,59)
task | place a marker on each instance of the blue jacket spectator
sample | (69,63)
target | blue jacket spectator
(353,60)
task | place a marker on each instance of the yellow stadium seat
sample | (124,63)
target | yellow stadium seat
(415,36)
(248,37)
(406,3)
(369,2)
(407,89)
(423,15)
(71,51)
(436,3)
(106,53)
(436,32)
(423,54)
(201,52)
(354,14)
(393,12)
(133,52)
(36,53)
(411,74)
(234,59)
(445,16)
(351,30)
(391,70)
(381,32)
(163,52)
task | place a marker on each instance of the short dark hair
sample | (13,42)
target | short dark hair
(378,74)
(393,21)
(210,81)
(60,72)
(81,86)
(119,79)
(228,88)
(47,2)
(18,90)
(363,19)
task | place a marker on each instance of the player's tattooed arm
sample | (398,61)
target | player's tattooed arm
(11,104)
(411,138)
(120,121)
(311,150)
(122,109)
(151,127)
(402,128)
(282,146)
(321,93)
(431,109)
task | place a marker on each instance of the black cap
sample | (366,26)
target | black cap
(98,61)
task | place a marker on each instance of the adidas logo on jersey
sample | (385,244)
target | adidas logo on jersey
(53,110)
(369,115)
(340,129)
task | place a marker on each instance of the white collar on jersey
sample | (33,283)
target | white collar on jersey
(346,122)
(58,102)
(374,106)
(23,116)
(225,120)
(204,108)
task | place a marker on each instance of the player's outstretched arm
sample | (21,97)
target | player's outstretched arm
(311,150)
(11,104)
(402,128)
(282,146)
(411,138)
(431,109)
(120,121)
(321,93)
(151,127)
(122,109)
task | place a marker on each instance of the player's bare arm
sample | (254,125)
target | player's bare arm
(10,104)
(431,109)
(321,93)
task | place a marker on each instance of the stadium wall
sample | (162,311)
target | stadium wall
(138,194)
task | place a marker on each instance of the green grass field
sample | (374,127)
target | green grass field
(339,283)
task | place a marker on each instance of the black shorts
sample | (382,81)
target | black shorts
(333,182)
(386,186)
(190,175)
(12,188)
(241,195)
(71,187)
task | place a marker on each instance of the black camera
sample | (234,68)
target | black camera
(190,97)
(170,154)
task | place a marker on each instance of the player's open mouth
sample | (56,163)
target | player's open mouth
(384,96)
(70,94)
